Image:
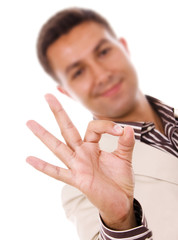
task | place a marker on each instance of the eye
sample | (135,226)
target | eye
(78,73)
(104,51)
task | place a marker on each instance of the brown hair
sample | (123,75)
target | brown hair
(61,23)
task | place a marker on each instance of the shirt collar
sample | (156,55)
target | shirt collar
(166,113)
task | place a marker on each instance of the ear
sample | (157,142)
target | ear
(63,91)
(124,44)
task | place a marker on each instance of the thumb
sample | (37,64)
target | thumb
(126,144)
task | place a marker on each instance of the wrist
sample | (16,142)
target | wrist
(124,222)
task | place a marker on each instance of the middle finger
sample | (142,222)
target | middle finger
(68,130)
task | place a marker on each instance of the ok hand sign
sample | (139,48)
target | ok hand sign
(105,178)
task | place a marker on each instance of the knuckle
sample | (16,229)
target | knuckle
(44,133)
(91,123)
(59,110)
(78,141)
(57,146)
(94,125)
(69,125)
(57,170)
(45,166)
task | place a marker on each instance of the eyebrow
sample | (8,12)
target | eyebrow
(96,48)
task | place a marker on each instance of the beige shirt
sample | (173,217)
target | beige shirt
(156,188)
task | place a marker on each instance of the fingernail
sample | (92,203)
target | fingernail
(118,129)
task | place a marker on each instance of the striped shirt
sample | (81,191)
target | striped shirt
(147,133)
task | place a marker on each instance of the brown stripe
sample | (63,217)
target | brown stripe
(134,233)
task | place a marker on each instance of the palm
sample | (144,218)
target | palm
(101,170)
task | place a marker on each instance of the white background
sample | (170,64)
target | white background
(30,205)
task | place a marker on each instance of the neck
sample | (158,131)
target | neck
(141,111)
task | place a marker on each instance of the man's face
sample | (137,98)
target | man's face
(94,68)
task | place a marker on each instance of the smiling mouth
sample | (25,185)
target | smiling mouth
(112,90)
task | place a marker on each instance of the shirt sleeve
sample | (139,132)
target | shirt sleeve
(138,233)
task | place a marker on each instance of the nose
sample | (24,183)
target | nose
(100,73)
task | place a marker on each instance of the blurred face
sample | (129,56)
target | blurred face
(94,68)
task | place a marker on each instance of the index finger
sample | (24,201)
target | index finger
(68,130)
(98,127)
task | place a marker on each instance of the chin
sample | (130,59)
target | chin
(119,112)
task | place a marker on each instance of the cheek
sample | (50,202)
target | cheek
(84,86)
(120,60)
(80,89)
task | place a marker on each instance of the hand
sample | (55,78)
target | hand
(105,178)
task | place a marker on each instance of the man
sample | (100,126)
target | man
(81,52)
